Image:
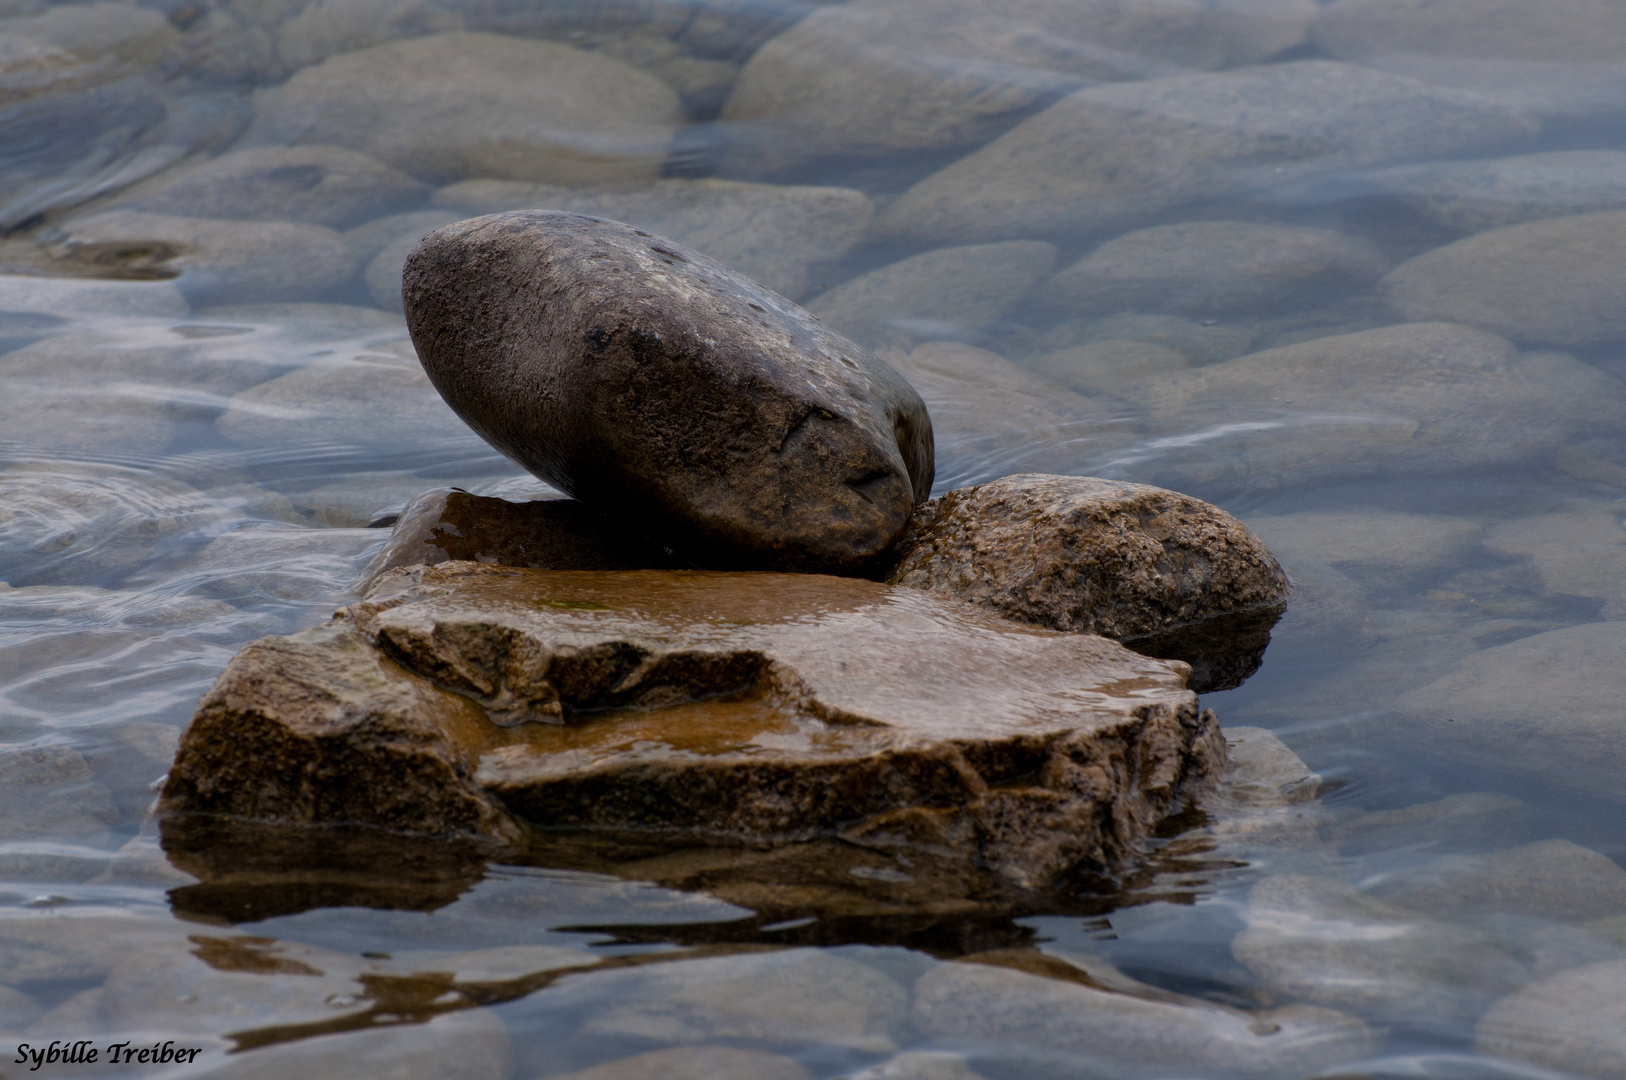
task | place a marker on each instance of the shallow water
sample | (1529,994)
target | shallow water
(1091,258)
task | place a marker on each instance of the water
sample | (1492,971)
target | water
(1091,258)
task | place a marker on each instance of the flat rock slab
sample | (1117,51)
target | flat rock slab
(463,699)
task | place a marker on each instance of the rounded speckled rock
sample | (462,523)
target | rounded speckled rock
(647,379)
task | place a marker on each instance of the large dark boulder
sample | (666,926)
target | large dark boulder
(658,385)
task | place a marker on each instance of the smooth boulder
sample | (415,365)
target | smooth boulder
(1574,1021)
(1133,563)
(650,381)
(459,699)
(1472,196)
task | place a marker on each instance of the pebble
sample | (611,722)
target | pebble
(948,293)
(1368,539)
(880,76)
(607,123)
(1552,879)
(1574,1021)
(69,45)
(1580,552)
(1562,58)
(49,792)
(212,261)
(796,449)
(1213,267)
(1110,157)
(255,565)
(1202,342)
(1109,367)
(80,944)
(1473,196)
(774,234)
(320,185)
(54,302)
(1475,818)
(695,1063)
(1546,704)
(1130,1030)
(1549,281)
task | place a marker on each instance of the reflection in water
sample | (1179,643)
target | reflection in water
(1349,268)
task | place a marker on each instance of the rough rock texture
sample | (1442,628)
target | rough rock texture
(644,378)
(451,525)
(1558,57)
(1574,1021)
(1554,281)
(772,233)
(456,699)
(1092,556)
(1082,1012)
(213,261)
(1212,267)
(455,106)
(948,293)
(1111,156)
(879,76)
(323,185)
(1472,196)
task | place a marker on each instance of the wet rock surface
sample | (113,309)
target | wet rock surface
(1472,196)
(1141,565)
(741,429)
(458,699)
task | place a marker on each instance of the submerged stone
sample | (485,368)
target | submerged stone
(1472,196)
(696,1063)
(1575,1021)
(650,381)
(459,699)
(1133,563)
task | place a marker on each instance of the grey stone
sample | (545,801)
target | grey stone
(793,996)
(1060,1011)
(880,76)
(772,233)
(1575,1021)
(49,791)
(606,714)
(467,1043)
(456,106)
(1420,397)
(450,525)
(67,299)
(796,447)
(322,185)
(1109,367)
(696,1063)
(1202,342)
(1553,879)
(54,946)
(1264,808)
(1210,267)
(1368,539)
(71,45)
(920,1065)
(948,293)
(1322,940)
(1472,196)
(1549,281)
(1578,552)
(1547,704)
(1475,818)
(212,261)
(257,564)
(1564,58)
(1089,556)
(1109,157)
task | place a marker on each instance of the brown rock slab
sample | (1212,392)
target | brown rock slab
(1127,561)
(451,525)
(459,699)
(646,379)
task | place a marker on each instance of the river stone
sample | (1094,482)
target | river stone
(1369,538)
(54,302)
(880,76)
(1578,553)
(1553,879)
(1203,342)
(1574,1021)
(607,123)
(322,185)
(1550,281)
(1547,704)
(1472,196)
(1420,397)
(948,293)
(772,233)
(1213,267)
(1559,58)
(212,261)
(797,449)
(430,738)
(991,417)
(451,525)
(1130,562)
(50,793)
(69,45)
(1110,157)
(1109,367)
(1065,1015)
(253,565)
(695,1063)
